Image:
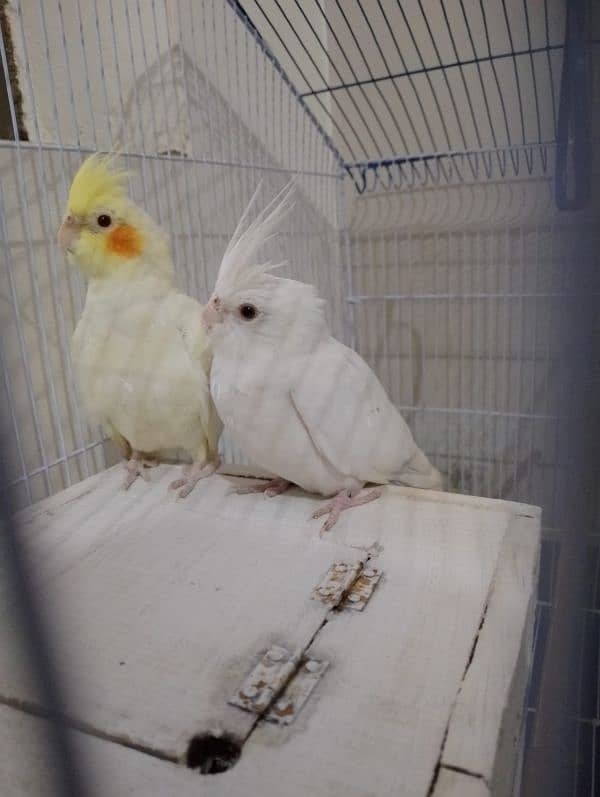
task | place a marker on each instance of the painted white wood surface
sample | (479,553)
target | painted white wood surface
(493,690)
(188,594)
(165,606)
(28,767)
(112,770)
(397,667)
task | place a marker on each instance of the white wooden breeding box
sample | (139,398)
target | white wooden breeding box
(165,608)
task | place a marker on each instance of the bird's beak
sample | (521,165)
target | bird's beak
(212,314)
(68,233)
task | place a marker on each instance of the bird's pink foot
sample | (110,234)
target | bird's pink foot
(192,475)
(137,466)
(343,500)
(271,488)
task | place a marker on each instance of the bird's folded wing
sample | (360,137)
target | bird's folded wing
(348,415)
(185,314)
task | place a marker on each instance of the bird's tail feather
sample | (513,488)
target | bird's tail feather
(419,472)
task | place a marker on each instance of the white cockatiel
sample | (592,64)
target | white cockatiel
(140,352)
(298,402)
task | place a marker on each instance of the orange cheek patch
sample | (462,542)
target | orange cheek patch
(125,241)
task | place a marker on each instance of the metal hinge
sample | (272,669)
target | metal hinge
(347,586)
(279,685)
(282,681)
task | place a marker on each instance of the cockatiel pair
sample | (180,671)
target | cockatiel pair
(140,352)
(297,402)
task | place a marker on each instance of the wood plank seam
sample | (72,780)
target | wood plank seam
(463,771)
(303,650)
(494,598)
(34,710)
(438,767)
(476,639)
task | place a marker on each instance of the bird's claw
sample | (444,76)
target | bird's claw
(343,500)
(324,510)
(191,476)
(186,487)
(129,480)
(271,488)
(138,466)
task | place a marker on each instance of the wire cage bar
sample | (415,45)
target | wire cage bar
(198,163)
(387,78)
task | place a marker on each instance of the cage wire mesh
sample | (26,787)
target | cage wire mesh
(423,139)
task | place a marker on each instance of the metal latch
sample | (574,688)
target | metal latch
(338,580)
(282,681)
(347,586)
(279,685)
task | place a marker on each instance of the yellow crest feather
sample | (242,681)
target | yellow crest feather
(99,183)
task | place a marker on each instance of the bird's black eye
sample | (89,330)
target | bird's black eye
(248,311)
(104,220)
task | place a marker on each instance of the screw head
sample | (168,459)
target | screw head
(250,691)
(312,666)
(275,655)
(370,572)
(341,568)
(354,598)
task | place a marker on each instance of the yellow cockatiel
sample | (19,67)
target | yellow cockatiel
(141,355)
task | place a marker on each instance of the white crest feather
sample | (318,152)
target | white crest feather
(239,268)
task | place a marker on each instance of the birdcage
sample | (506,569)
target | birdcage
(443,160)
